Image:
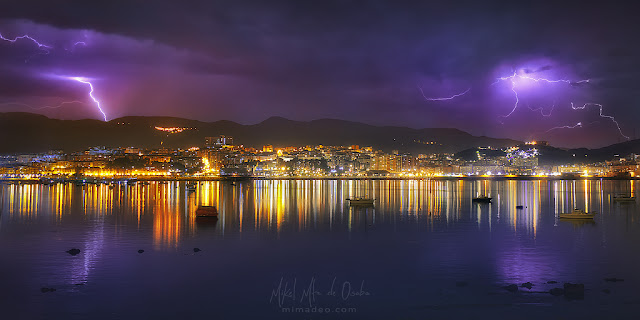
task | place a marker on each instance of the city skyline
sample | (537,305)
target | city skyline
(554,74)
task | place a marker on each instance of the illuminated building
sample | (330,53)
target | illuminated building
(219,141)
(308,161)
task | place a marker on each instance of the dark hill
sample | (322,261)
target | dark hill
(26,132)
(556,156)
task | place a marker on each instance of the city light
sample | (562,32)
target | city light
(171,129)
(294,162)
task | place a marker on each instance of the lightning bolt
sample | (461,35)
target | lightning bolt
(541,109)
(600,107)
(43,107)
(443,98)
(512,78)
(45,48)
(577,125)
(554,81)
(41,46)
(97,102)
(78,43)
(515,93)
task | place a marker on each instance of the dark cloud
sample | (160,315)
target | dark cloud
(356,60)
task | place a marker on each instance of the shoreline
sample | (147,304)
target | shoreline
(197,179)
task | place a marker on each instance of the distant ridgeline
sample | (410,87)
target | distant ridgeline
(26,132)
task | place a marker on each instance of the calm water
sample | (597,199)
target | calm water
(424,251)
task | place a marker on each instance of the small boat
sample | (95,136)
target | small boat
(483,199)
(206,212)
(577,214)
(361,202)
(624,198)
(519,207)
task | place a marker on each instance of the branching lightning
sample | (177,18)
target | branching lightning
(519,76)
(442,98)
(45,49)
(43,107)
(601,115)
(541,109)
(97,102)
(577,125)
(512,78)
(40,45)
(515,93)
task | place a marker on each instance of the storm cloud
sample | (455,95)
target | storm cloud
(355,60)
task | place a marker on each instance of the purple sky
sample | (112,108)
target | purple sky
(368,61)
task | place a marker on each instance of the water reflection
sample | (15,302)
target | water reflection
(276,206)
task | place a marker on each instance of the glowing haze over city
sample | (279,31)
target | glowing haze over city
(561,73)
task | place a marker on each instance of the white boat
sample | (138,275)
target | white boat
(624,198)
(577,214)
(361,202)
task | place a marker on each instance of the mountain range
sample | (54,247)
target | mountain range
(28,132)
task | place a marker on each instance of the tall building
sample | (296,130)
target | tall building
(209,141)
(225,141)
(218,141)
(388,162)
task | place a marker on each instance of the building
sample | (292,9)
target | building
(219,141)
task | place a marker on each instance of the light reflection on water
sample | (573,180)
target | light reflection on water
(431,227)
(303,205)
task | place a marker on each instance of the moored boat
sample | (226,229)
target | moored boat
(361,202)
(624,198)
(484,199)
(577,214)
(206,212)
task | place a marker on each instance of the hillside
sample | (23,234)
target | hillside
(26,132)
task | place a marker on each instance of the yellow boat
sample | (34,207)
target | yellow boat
(578,214)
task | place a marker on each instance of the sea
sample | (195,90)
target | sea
(297,249)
